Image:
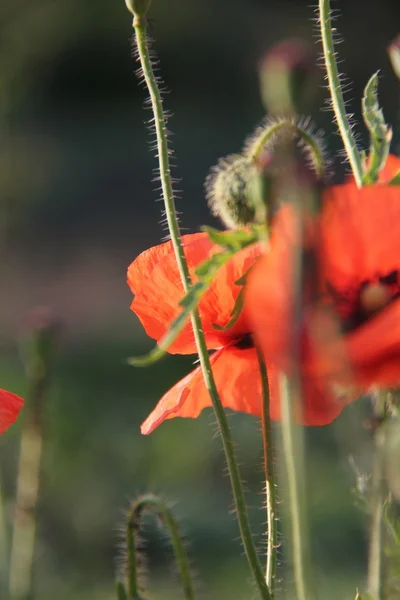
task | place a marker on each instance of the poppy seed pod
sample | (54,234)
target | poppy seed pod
(233,191)
(139,8)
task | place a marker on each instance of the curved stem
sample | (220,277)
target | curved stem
(162,146)
(310,141)
(132,528)
(293,451)
(270,485)
(335,89)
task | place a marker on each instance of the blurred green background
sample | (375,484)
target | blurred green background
(77,205)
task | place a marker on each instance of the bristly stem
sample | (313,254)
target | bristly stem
(270,484)
(157,506)
(162,146)
(293,451)
(335,89)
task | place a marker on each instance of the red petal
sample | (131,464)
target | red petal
(374,348)
(238,382)
(10,406)
(269,302)
(391,168)
(154,279)
(360,240)
(237,378)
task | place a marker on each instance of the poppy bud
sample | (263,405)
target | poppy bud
(139,8)
(288,78)
(233,191)
(394,55)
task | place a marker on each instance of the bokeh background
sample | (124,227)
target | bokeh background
(77,204)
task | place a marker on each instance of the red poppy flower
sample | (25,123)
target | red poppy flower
(154,279)
(10,406)
(349,334)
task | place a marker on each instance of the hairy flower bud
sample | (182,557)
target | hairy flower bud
(233,191)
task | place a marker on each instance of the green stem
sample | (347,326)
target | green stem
(375,563)
(28,485)
(133,526)
(270,485)
(121,592)
(309,140)
(376,535)
(293,451)
(162,146)
(335,89)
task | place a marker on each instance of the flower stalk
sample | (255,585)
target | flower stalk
(140,28)
(336,93)
(270,483)
(38,356)
(294,451)
(375,554)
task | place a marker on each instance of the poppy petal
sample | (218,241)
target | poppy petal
(269,302)
(10,406)
(359,237)
(237,379)
(154,279)
(391,168)
(374,348)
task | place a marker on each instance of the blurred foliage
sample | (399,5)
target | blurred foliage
(76,206)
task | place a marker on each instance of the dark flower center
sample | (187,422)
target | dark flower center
(357,305)
(244,342)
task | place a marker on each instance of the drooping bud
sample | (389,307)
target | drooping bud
(394,55)
(288,78)
(280,137)
(233,192)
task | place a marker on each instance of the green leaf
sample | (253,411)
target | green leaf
(380,132)
(237,239)
(395,180)
(235,314)
(237,309)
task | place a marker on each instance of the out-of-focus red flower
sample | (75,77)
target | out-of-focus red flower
(348,334)
(154,279)
(10,406)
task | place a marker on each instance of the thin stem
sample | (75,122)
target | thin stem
(375,562)
(4,540)
(162,146)
(376,533)
(270,484)
(24,530)
(293,451)
(38,352)
(309,141)
(121,593)
(335,89)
